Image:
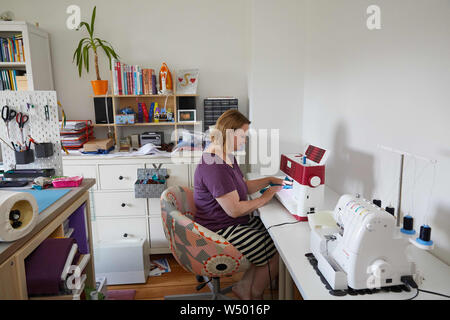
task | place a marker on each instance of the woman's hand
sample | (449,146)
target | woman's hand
(271,191)
(279,181)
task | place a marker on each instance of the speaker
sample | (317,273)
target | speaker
(100,110)
(186,103)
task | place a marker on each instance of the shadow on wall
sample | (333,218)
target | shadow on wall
(441,223)
(350,170)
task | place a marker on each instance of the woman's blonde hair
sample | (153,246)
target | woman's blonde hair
(229,120)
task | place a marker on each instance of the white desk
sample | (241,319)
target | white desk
(292,242)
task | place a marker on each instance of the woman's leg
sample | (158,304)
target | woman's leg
(243,288)
(261,277)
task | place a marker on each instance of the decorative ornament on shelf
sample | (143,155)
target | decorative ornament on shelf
(7,16)
(81,55)
(165,80)
(187,81)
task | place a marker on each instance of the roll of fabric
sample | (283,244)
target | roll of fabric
(18,215)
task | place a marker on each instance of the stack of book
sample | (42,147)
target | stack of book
(132,80)
(214,107)
(11,49)
(13,80)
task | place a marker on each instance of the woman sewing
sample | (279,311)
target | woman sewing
(220,194)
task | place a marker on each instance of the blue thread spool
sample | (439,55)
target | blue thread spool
(425,236)
(408,225)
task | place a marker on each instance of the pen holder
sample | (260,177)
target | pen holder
(24,157)
(44,150)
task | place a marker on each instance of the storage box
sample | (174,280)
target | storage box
(24,157)
(121,261)
(142,190)
(44,150)
(125,118)
(98,144)
(22,83)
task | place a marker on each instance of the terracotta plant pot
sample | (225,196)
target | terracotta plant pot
(100,87)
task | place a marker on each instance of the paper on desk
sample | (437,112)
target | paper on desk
(149,148)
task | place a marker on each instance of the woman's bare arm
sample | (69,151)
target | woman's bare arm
(235,208)
(256,185)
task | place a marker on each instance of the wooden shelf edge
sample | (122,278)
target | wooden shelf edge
(144,96)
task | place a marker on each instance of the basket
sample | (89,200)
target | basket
(143,190)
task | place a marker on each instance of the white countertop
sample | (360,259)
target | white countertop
(292,242)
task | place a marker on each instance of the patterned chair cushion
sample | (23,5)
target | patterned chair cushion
(196,248)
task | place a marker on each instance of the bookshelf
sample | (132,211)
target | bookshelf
(122,101)
(36,48)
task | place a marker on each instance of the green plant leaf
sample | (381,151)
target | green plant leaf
(80,65)
(107,46)
(79,47)
(105,49)
(86,57)
(87,27)
(113,53)
(93,20)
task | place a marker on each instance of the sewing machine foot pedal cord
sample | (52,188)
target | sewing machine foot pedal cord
(340,293)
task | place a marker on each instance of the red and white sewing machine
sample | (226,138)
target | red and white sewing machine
(307,171)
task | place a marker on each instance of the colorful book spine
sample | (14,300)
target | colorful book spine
(146,116)
(114,76)
(154,91)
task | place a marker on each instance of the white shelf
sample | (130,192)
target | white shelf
(37,64)
(13,65)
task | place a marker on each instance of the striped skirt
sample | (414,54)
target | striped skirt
(252,240)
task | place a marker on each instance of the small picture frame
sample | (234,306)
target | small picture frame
(187,115)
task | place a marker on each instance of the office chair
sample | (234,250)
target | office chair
(197,249)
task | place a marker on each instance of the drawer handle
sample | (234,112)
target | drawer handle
(123,205)
(120,178)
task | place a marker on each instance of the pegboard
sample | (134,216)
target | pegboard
(38,127)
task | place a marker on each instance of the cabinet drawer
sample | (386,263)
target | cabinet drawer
(157,236)
(115,228)
(84,171)
(118,177)
(118,204)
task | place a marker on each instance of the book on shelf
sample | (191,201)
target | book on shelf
(132,79)
(11,49)
(13,80)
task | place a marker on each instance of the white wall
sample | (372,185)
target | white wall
(204,34)
(390,87)
(276,70)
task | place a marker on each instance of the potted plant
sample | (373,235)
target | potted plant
(81,55)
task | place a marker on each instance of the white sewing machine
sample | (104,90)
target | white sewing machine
(359,246)
(307,171)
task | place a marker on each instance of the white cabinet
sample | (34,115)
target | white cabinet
(115,210)
(118,177)
(118,204)
(118,228)
(157,236)
(154,207)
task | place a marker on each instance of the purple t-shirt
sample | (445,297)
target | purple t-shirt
(212,181)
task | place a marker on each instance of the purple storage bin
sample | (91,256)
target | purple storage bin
(77,221)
